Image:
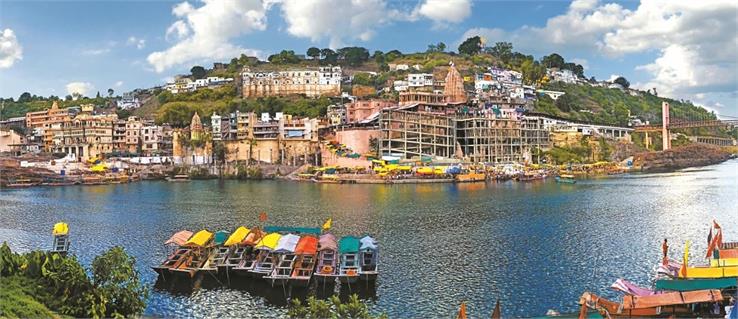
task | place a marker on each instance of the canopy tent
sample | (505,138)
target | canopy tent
(671,298)
(60,229)
(327,242)
(220,237)
(200,239)
(237,236)
(179,238)
(308,245)
(269,242)
(695,284)
(293,230)
(368,243)
(348,245)
(253,238)
(630,288)
(287,243)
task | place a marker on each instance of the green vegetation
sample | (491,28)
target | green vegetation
(37,283)
(32,103)
(334,308)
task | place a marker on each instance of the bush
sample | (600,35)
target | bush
(333,308)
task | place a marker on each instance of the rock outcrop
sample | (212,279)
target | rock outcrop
(681,157)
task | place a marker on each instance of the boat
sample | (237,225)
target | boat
(471,177)
(21,182)
(223,257)
(695,284)
(265,259)
(176,254)
(327,267)
(219,254)
(724,262)
(306,251)
(285,256)
(200,244)
(60,243)
(711,272)
(179,178)
(566,179)
(348,251)
(679,304)
(368,259)
(248,252)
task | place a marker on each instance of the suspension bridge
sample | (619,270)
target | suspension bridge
(667,125)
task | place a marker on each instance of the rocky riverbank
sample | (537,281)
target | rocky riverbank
(681,157)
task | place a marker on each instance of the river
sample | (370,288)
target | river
(534,246)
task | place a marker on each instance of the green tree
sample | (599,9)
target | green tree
(471,46)
(197,72)
(363,78)
(378,57)
(98,95)
(441,47)
(314,53)
(354,56)
(392,55)
(25,97)
(503,51)
(114,274)
(566,103)
(622,81)
(110,92)
(284,57)
(329,56)
(553,61)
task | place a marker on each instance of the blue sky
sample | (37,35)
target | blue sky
(55,47)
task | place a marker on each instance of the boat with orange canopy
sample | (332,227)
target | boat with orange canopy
(306,251)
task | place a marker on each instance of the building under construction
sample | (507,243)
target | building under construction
(475,138)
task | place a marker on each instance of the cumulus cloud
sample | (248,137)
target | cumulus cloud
(82,88)
(118,84)
(445,11)
(137,42)
(694,42)
(10,50)
(205,32)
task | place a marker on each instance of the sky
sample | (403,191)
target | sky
(685,49)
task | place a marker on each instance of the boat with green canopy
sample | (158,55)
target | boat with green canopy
(695,284)
(220,252)
(348,251)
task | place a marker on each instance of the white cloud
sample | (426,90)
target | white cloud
(82,88)
(204,33)
(137,42)
(694,41)
(445,11)
(118,84)
(10,50)
(96,51)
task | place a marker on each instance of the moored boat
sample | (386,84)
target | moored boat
(179,178)
(21,183)
(219,252)
(368,259)
(176,253)
(285,257)
(327,267)
(695,284)
(60,243)
(679,304)
(306,251)
(471,177)
(566,179)
(265,259)
(348,251)
(248,252)
(224,255)
(201,246)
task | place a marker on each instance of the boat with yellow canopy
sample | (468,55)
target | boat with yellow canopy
(266,259)
(231,249)
(201,244)
(60,243)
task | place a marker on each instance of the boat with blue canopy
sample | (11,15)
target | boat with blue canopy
(368,258)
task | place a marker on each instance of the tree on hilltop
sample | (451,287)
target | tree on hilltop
(503,51)
(25,97)
(329,56)
(622,81)
(471,46)
(354,56)
(197,72)
(553,61)
(314,53)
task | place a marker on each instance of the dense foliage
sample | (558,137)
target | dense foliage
(62,285)
(333,308)
(32,103)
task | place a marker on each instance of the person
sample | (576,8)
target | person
(665,250)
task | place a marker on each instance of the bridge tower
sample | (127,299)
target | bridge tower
(665,125)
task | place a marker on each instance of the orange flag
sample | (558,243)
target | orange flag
(462,311)
(262,217)
(715,224)
(497,313)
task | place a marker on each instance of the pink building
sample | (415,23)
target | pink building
(360,110)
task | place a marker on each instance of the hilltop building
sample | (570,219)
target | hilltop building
(323,81)
(46,123)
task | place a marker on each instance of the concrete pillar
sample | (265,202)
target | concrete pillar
(665,125)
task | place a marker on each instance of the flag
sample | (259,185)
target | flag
(462,311)
(497,312)
(262,217)
(719,239)
(683,269)
(715,224)
(709,237)
(715,243)
(327,224)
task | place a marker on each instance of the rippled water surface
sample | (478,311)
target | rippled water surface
(533,246)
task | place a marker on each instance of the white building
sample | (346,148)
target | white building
(419,79)
(401,85)
(128,101)
(566,76)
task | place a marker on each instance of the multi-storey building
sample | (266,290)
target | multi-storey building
(133,134)
(46,123)
(311,82)
(360,110)
(152,139)
(86,136)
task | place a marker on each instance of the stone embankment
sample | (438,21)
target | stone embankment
(681,157)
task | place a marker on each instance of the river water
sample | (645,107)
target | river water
(534,246)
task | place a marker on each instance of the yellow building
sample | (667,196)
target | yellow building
(86,136)
(196,128)
(47,122)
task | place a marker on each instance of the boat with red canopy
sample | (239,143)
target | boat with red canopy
(306,251)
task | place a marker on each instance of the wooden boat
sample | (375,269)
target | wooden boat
(348,251)
(179,178)
(679,304)
(21,183)
(327,267)
(471,177)
(219,252)
(566,179)
(176,254)
(93,180)
(265,259)
(247,250)
(286,258)
(695,284)
(60,243)
(306,251)
(368,259)
(223,257)
(201,245)
(724,262)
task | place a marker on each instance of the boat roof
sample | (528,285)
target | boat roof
(292,230)
(348,244)
(327,241)
(238,236)
(368,243)
(179,238)
(60,228)
(287,243)
(695,284)
(253,237)
(220,237)
(200,238)
(671,298)
(269,241)
(308,245)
